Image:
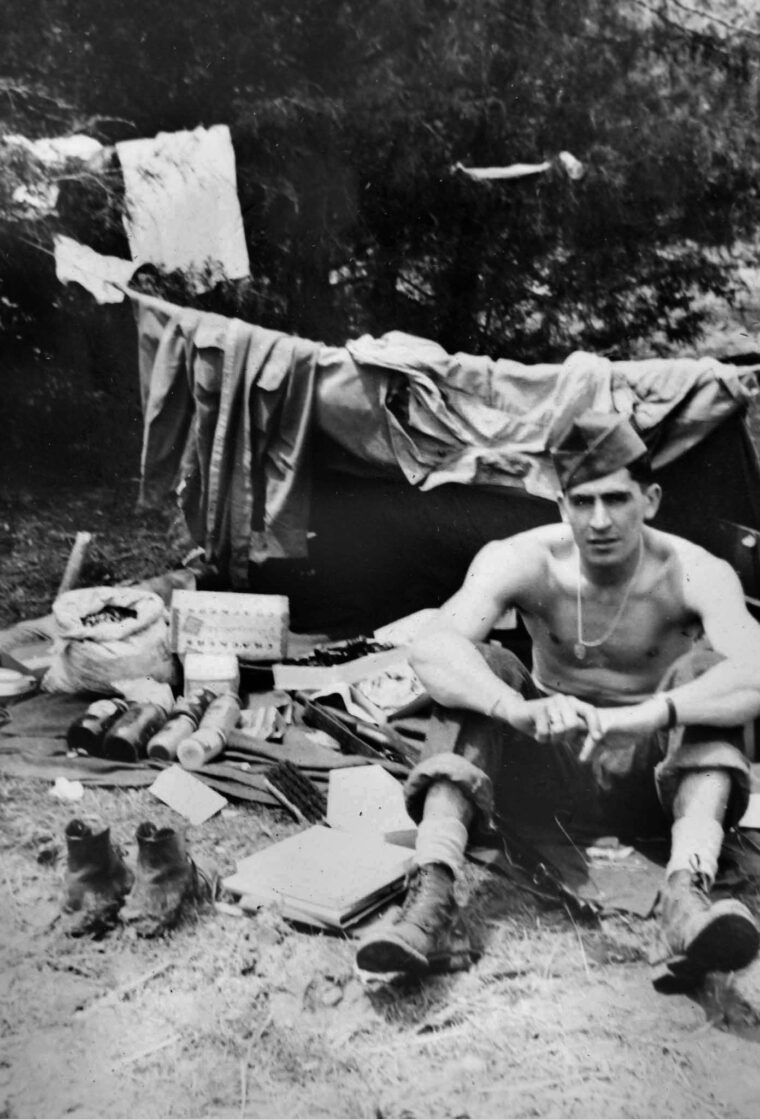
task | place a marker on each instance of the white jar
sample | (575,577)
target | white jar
(218,672)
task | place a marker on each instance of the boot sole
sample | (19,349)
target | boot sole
(728,943)
(386,954)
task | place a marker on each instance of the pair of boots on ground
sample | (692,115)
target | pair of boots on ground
(165,885)
(697,935)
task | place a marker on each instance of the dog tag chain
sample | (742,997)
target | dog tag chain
(581,646)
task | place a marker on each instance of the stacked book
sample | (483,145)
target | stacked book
(322,876)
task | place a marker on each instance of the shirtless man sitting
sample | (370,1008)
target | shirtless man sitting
(622,694)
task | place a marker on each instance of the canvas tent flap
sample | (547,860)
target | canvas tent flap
(677,402)
(230,409)
(227,411)
(474,420)
(458,418)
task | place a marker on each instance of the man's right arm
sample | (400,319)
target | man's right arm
(444,656)
(454,672)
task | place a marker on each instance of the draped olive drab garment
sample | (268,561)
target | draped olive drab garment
(227,421)
(456,418)
(229,407)
(462,418)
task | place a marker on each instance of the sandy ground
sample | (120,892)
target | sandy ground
(247,1016)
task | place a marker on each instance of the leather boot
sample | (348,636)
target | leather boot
(703,935)
(168,884)
(97,879)
(417,929)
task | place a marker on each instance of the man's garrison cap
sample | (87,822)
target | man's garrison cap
(595,444)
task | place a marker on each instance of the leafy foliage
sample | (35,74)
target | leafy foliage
(348,116)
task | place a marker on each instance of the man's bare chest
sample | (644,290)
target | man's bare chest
(639,637)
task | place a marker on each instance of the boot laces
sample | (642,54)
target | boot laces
(699,880)
(426,899)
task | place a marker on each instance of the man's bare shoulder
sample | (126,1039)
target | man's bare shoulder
(691,555)
(695,567)
(545,540)
(523,558)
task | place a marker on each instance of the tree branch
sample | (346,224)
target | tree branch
(662,15)
(712,18)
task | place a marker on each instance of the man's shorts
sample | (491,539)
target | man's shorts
(626,791)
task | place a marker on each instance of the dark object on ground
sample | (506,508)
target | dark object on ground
(168,884)
(384,739)
(370,742)
(297,792)
(183,720)
(88,731)
(127,740)
(109,614)
(97,880)
(341,653)
(704,936)
(418,930)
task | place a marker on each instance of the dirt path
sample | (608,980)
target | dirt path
(248,1017)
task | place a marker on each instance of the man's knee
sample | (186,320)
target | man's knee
(714,783)
(444,800)
(704,793)
(461,777)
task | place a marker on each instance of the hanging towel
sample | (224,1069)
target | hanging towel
(182,205)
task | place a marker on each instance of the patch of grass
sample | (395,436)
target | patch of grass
(37,532)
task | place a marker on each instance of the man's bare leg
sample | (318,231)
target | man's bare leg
(406,943)
(721,936)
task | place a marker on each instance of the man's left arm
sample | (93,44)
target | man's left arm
(728,693)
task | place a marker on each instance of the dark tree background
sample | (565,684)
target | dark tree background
(347,116)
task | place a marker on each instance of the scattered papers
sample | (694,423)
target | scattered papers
(264,722)
(322,876)
(63,789)
(389,691)
(350,699)
(369,800)
(187,795)
(311,677)
(144,689)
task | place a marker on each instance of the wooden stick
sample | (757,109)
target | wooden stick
(74,563)
(149,1051)
(118,993)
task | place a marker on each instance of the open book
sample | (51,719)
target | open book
(322,876)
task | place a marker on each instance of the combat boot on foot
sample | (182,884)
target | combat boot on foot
(96,882)
(703,935)
(168,884)
(418,928)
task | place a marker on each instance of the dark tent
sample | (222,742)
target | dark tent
(361,480)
